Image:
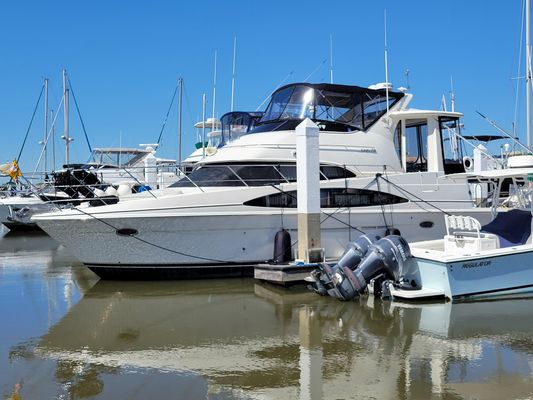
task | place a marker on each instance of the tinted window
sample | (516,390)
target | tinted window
(210,176)
(253,175)
(330,198)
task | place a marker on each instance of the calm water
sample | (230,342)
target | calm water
(66,335)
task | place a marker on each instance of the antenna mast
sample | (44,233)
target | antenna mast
(45,139)
(331,58)
(233,73)
(452,95)
(180,83)
(214,91)
(386,66)
(528,72)
(204,101)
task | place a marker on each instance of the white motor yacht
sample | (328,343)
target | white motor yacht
(385,167)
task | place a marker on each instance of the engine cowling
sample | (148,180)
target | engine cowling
(387,256)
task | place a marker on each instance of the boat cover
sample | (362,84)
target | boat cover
(513,227)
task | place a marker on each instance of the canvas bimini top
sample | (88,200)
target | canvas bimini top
(334,107)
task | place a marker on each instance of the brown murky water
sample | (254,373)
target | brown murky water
(66,335)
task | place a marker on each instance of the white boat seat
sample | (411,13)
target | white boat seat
(463,225)
(463,235)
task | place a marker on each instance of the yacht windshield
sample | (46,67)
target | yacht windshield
(334,107)
(117,157)
(235,124)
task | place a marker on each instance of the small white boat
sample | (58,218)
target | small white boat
(470,262)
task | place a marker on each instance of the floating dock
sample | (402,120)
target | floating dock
(283,274)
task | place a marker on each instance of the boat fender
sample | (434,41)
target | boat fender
(282,247)
(392,231)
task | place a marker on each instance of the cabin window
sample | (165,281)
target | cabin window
(452,154)
(398,140)
(254,175)
(330,198)
(416,146)
(374,106)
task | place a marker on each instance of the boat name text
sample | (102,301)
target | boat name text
(477,264)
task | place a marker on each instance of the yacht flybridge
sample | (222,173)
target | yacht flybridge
(383,167)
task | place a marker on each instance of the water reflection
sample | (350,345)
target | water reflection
(244,340)
(67,335)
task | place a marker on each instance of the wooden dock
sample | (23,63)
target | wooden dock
(283,274)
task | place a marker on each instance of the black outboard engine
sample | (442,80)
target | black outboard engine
(387,257)
(321,278)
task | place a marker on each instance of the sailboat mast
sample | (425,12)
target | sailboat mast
(65,116)
(53,140)
(233,72)
(180,108)
(528,72)
(45,139)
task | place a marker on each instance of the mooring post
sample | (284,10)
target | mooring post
(308,180)
(150,170)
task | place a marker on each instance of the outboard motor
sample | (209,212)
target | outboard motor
(387,257)
(321,278)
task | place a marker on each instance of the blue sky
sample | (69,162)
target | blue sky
(124,59)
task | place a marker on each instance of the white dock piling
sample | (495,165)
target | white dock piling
(150,171)
(308,178)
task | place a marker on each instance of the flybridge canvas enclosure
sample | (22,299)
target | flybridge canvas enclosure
(237,123)
(118,157)
(334,107)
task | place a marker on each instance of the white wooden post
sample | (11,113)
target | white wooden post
(308,180)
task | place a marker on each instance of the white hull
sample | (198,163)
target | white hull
(497,273)
(10,205)
(219,239)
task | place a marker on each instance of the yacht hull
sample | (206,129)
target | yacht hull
(214,245)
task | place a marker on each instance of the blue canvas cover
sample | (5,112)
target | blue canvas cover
(513,227)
